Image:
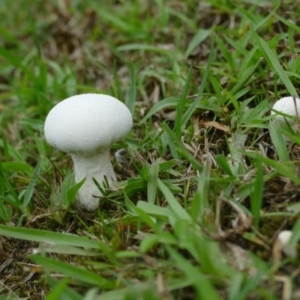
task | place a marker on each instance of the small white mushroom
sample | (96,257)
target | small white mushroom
(86,126)
(288,107)
(282,243)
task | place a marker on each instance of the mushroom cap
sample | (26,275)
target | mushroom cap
(87,123)
(287,106)
(285,236)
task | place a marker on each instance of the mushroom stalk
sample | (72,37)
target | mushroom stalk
(92,166)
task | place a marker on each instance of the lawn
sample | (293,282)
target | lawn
(205,180)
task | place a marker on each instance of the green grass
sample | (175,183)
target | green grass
(208,181)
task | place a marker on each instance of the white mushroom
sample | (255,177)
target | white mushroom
(283,239)
(86,126)
(288,107)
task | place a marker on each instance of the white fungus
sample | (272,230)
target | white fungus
(289,107)
(284,238)
(86,126)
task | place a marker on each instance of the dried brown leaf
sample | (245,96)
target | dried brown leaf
(217,125)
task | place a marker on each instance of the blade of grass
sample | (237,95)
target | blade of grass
(181,105)
(152,181)
(243,77)
(273,60)
(59,290)
(296,233)
(173,203)
(202,285)
(5,211)
(153,210)
(31,186)
(187,115)
(164,103)
(257,194)
(172,285)
(198,38)
(200,199)
(181,149)
(223,163)
(45,236)
(143,216)
(278,141)
(131,96)
(72,271)
(287,170)
(15,61)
